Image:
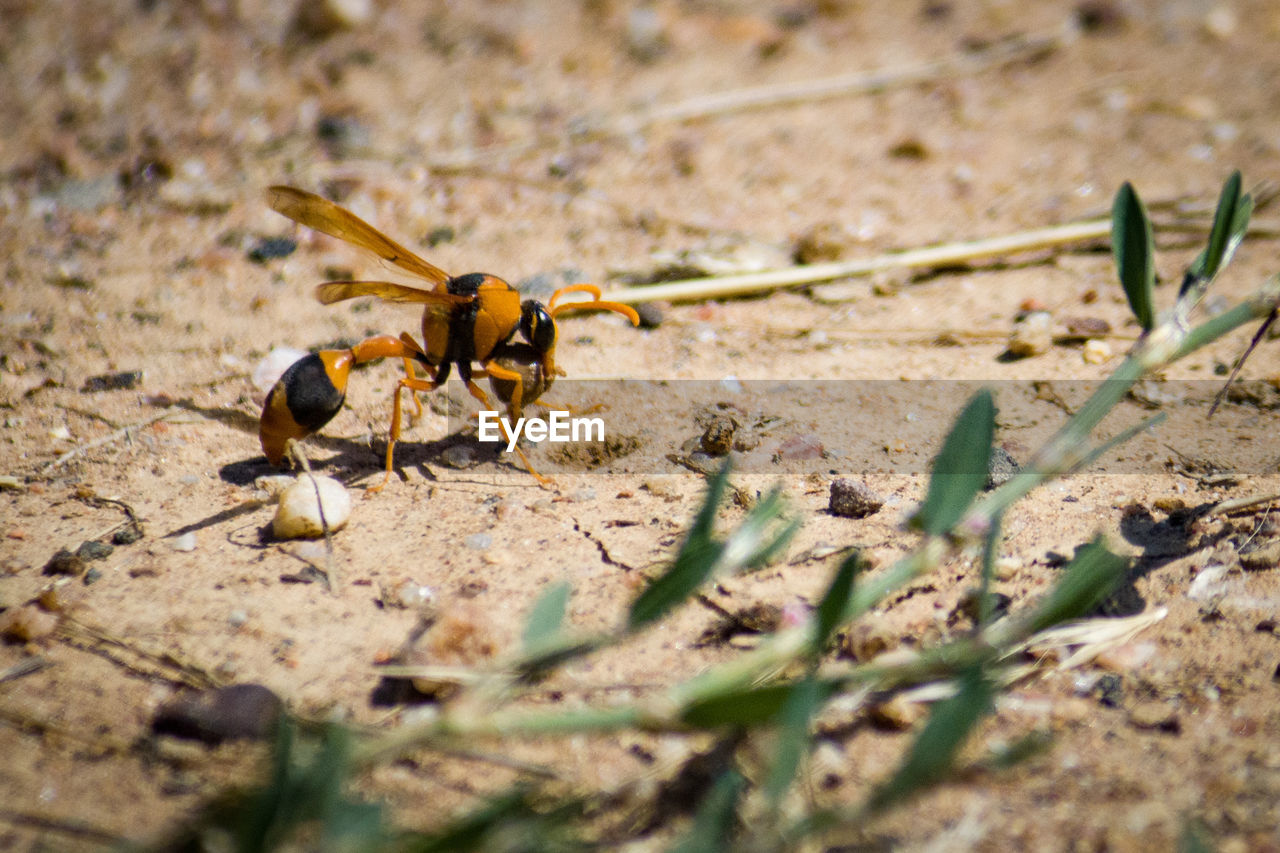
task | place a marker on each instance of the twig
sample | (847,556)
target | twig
(188,673)
(24,667)
(65,826)
(766,97)
(331,576)
(932,256)
(24,719)
(842,85)
(122,432)
(1237,504)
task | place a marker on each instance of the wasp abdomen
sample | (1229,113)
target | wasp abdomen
(305,398)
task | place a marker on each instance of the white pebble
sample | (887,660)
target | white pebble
(1096,351)
(185,542)
(276,362)
(1032,335)
(298,514)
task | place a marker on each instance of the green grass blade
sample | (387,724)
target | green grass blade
(546,617)
(698,556)
(793,738)
(1086,581)
(1134,251)
(749,706)
(1208,263)
(960,471)
(932,754)
(834,601)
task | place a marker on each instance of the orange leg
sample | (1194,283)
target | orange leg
(393,435)
(514,409)
(409,372)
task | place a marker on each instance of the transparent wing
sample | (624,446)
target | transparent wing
(323,215)
(336,291)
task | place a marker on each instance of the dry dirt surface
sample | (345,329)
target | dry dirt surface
(551,142)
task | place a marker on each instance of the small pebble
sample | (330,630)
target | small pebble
(91,550)
(1261,559)
(459,456)
(186,542)
(1221,22)
(240,711)
(897,714)
(651,315)
(853,499)
(717,438)
(269,248)
(127,535)
(273,366)
(343,135)
(405,594)
(867,638)
(799,447)
(1100,16)
(27,623)
(646,35)
(1000,469)
(1032,335)
(274,484)
(125,381)
(1096,351)
(56,597)
(65,563)
(478,541)
(322,18)
(823,242)
(1153,714)
(298,515)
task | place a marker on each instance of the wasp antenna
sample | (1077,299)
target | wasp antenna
(575,288)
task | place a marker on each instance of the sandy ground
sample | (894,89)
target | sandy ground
(549,141)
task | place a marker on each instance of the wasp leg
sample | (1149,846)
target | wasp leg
(515,408)
(393,435)
(515,405)
(409,372)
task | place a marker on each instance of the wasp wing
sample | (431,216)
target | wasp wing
(336,291)
(323,215)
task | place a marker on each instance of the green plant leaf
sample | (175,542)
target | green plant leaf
(932,754)
(834,601)
(546,616)
(960,471)
(751,706)
(1086,581)
(763,534)
(793,737)
(1134,250)
(1225,224)
(692,566)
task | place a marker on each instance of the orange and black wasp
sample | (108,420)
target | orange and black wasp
(467,320)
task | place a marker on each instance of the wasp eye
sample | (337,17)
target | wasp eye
(536,326)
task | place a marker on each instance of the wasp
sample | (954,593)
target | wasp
(468,321)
